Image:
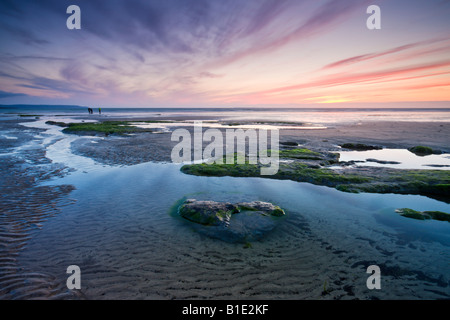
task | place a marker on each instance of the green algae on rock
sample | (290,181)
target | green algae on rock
(213,213)
(57,123)
(105,127)
(423,215)
(287,171)
(302,153)
(326,158)
(423,151)
(208,213)
(431,183)
(231,222)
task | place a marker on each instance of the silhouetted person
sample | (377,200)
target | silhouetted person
(99,110)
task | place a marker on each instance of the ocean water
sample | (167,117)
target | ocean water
(121,229)
(320,116)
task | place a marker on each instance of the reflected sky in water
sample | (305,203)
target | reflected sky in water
(407,159)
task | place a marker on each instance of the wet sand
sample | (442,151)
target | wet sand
(157,147)
(386,134)
(26,205)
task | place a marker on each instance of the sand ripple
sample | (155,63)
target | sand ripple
(24,205)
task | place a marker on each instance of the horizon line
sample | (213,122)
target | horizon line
(343,105)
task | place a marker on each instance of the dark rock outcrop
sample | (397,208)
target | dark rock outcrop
(360,147)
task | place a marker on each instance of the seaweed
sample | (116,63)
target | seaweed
(423,150)
(106,127)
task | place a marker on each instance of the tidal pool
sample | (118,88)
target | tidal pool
(406,159)
(121,234)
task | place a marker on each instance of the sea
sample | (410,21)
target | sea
(297,115)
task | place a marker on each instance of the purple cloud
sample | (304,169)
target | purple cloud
(4,94)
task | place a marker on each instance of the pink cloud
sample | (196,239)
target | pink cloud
(371,56)
(299,92)
(387,75)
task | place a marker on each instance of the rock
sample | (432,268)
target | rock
(360,147)
(437,165)
(424,215)
(240,222)
(423,151)
(208,213)
(413,214)
(382,161)
(289,143)
(350,163)
(266,208)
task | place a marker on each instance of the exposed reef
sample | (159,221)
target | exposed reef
(360,147)
(313,167)
(232,222)
(103,128)
(424,215)
(424,151)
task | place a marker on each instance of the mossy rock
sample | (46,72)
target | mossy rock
(423,151)
(277,212)
(424,215)
(57,123)
(289,143)
(207,213)
(413,214)
(240,222)
(431,183)
(105,127)
(438,215)
(302,153)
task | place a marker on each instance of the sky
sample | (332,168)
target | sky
(224,53)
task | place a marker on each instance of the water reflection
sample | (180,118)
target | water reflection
(406,159)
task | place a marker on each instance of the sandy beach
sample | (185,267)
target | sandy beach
(33,209)
(151,147)
(225,150)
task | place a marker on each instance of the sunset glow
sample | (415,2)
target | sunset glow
(224,53)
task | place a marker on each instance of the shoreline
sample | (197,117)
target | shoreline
(35,167)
